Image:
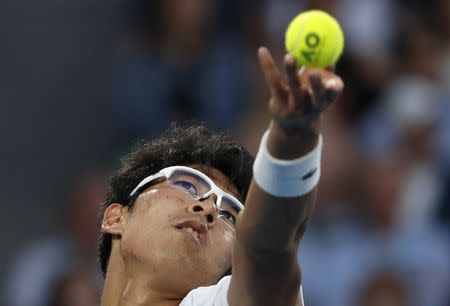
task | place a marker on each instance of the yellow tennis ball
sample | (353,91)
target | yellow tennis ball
(315,39)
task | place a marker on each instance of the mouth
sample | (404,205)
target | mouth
(195,230)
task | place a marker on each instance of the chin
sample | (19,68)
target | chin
(195,270)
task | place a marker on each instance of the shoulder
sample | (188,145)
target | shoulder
(215,295)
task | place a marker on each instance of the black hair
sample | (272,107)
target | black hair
(194,144)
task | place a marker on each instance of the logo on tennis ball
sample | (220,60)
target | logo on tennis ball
(312,41)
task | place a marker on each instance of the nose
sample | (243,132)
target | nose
(205,206)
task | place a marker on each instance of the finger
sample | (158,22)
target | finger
(333,87)
(292,78)
(318,91)
(271,73)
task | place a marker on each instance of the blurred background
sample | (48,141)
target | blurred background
(81,81)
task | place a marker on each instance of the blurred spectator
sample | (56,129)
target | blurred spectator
(413,107)
(443,143)
(384,290)
(75,288)
(441,18)
(37,268)
(340,261)
(368,26)
(173,63)
(340,160)
(405,121)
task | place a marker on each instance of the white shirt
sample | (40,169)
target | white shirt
(215,295)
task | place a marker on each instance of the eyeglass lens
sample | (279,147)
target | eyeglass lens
(196,187)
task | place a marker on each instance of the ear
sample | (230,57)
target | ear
(113,219)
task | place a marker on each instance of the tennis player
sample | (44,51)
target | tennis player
(187,223)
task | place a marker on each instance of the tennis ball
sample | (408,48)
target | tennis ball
(315,39)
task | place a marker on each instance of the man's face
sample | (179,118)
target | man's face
(156,237)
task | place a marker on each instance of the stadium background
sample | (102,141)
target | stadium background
(80,81)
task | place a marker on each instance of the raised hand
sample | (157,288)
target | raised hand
(298,96)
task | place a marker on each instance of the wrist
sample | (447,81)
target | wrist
(290,143)
(287,178)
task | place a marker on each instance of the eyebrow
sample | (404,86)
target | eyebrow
(233,191)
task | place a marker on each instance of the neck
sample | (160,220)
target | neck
(125,288)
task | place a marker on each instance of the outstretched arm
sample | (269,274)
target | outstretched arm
(265,268)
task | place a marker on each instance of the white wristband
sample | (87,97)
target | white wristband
(287,178)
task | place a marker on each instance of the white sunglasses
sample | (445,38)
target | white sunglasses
(200,187)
